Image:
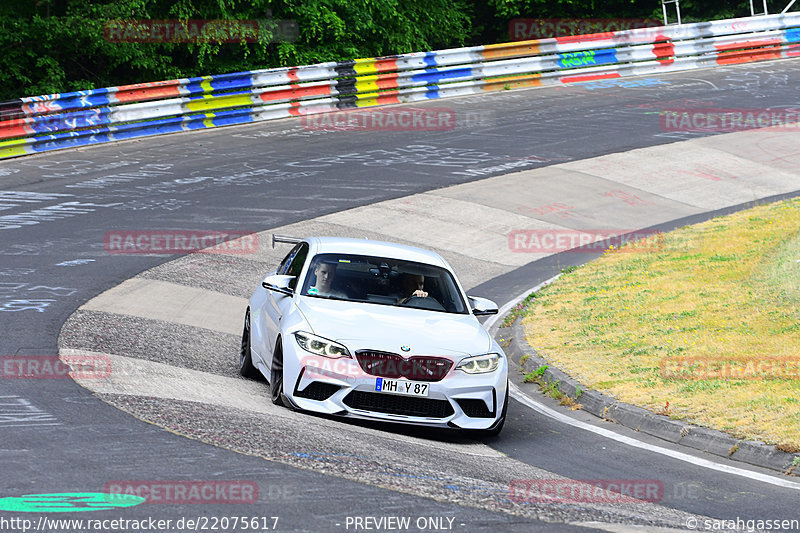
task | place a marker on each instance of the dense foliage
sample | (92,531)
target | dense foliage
(64,45)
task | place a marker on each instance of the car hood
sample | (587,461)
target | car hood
(387,328)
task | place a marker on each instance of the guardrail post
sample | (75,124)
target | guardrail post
(753,12)
(677,11)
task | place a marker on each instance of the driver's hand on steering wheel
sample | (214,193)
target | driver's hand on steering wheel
(416,294)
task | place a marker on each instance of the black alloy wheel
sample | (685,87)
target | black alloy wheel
(246,367)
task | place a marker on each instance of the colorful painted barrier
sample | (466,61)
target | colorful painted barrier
(56,121)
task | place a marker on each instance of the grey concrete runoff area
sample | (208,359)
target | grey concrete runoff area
(586,157)
(466,223)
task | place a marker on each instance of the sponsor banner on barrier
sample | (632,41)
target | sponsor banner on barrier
(552,241)
(184,492)
(586,491)
(85,366)
(180,242)
(701,368)
(721,120)
(524,29)
(392,119)
(200,31)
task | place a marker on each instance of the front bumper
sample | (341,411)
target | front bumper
(339,387)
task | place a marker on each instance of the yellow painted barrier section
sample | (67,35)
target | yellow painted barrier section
(219,102)
(507,50)
(367,84)
(367,102)
(367,99)
(513,82)
(377,82)
(376,98)
(14,148)
(206,86)
(374,65)
(365,66)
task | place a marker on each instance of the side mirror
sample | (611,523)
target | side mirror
(282,284)
(482,306)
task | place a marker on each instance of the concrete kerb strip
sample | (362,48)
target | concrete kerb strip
(171,302)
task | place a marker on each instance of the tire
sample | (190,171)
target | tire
(246,367)
(498,426)
(276,377)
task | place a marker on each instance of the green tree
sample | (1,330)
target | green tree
(60,45)
(63,45)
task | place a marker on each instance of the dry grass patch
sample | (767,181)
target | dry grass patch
(720,295)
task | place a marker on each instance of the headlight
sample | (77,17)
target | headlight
(319,346)
(480,364)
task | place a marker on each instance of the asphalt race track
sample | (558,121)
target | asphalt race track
(58,437)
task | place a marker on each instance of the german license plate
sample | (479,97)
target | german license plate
(402,387)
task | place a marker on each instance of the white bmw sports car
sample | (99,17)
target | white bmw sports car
(375,330)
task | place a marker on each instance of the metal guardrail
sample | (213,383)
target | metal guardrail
(51,122)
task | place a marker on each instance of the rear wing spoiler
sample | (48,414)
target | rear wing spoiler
(283,239)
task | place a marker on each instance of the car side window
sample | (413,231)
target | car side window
(283,268)
(299,259)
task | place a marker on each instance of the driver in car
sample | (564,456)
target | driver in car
(412,287)
(324,273)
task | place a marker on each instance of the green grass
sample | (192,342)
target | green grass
(781,276)
(723,292)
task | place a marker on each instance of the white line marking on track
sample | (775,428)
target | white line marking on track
(489,324)
(560,417)
(27,425)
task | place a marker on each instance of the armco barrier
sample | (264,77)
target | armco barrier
(51,122)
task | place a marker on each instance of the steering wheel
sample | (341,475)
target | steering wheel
(423,302)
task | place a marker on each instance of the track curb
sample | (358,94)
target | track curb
(607,408)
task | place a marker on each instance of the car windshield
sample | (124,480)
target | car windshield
(383,281)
